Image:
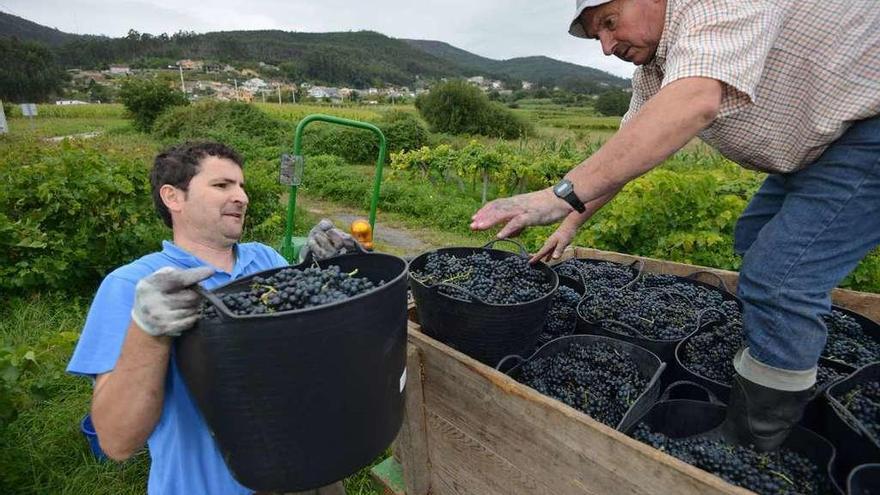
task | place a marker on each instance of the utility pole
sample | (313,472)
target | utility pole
(235,81)
(263,94)
(182,86)
(4,128)
(293,94)
(279,93)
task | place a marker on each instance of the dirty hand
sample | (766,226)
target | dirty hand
(555,244)
(165,303)
(521,211)
(326,241)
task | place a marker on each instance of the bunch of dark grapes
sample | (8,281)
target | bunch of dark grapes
(847,341)
(602,274)
(697,295)
(509,280)
(710,352)
(597,379)
(561,319)
(779,472)
(655,313)
(863,401)
(293,288)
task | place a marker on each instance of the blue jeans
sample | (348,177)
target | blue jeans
(801,234)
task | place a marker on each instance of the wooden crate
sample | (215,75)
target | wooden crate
(469,429)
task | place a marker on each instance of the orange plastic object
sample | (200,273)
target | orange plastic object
(362,232)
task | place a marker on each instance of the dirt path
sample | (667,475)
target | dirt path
(389,236)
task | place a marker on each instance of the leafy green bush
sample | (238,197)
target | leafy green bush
(403,131)
(459,108)
(244,127)
(71,212)
(146,99)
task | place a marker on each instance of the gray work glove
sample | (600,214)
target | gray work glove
(326,241)
(165,303)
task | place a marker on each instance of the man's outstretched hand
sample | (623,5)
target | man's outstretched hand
(521,211)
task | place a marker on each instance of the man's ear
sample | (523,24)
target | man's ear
(172,197)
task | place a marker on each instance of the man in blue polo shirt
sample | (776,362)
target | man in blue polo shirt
(139,395)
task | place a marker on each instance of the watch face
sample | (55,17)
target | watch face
(562,188)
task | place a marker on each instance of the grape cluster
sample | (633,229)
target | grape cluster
(597,379)
(863,401)
(847,341)
(561,320)
(601,274)
(293,288)
(779,472)
(509,280)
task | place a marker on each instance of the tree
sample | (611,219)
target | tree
(612,103)
(459,108)
(29,72)
(145,99)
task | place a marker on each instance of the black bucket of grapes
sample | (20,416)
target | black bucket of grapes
(864,480)
(656,312)
(804,463)
(562,317)
(610,380)
(706,357)
(600,273)
(484,302)
(854,418)
(298,399)
(853,339)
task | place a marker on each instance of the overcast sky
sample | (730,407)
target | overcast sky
(498,29)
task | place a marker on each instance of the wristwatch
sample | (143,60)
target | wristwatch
(564,190)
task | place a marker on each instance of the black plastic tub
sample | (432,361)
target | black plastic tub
(683,418)
(864,480)
(664,348)
(485,331)
(681,371)
(301,399)
(635,268)
(870,327)
(860,446)
(650,367)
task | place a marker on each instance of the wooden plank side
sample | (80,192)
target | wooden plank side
(462,464)
(865,303)
(556,445)
(411,445)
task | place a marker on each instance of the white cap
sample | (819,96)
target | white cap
(576,29)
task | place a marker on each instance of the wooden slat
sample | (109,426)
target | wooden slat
(560,448)
(865,303)
(465,465)
(411,445)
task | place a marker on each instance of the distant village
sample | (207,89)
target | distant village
(201,80)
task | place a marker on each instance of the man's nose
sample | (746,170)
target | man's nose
(608,42)
(240,196)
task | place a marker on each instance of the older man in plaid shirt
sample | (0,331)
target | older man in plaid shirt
(788,87)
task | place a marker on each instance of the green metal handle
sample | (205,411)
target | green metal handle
(287,249)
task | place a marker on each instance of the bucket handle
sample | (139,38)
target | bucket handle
(436,287)
(710,396)
(503,360)
(695,276)
(213,299)
(628,326)
(639,271)
(520,247)
(708,310)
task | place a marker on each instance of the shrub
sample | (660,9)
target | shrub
(244,127)
(145,99)
(459,108)
(71,213)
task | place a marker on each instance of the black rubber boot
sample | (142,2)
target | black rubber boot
(761,416)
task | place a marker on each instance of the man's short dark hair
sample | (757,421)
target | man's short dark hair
(177,166)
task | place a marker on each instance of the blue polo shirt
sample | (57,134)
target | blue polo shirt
(184,458)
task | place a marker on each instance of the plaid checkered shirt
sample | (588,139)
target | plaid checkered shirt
(796,73)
